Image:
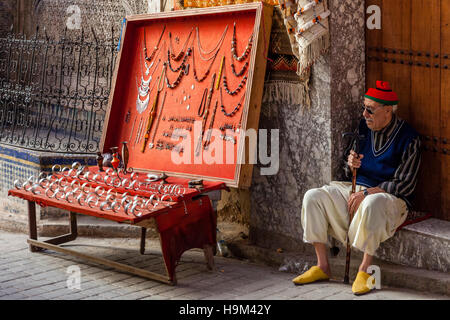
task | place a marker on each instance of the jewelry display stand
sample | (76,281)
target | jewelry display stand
(178,76)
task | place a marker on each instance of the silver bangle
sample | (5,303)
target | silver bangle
(84,186)
(115,206)
(105,203)
(55,195)
(124,199)
(98,189)
(64,170)
(109,172)
(79,198)
(86,176)
(68,194)
(162,199)
(17,184)
(46,193)
(71,171)
(134,176)
(113,180)
(76,165)
(61,180)
(44,183)
(97,177)
(90,199)
(56,166)
(33,189)
(124,181)
(75,182)
(105,179)
(125,207)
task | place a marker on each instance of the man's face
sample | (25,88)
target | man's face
(380,117)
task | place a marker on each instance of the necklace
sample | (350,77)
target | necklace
(202,106)
(180,55)
(217,47)
(208,137)
(240,73)
(153,111)
(247,48)
(239,87)
(151,144)
(178,80)
(236,108)
(155,48)
(207,71)
(183,63)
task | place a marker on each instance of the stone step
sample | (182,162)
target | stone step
(392,275)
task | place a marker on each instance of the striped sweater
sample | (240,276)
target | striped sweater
(401,180)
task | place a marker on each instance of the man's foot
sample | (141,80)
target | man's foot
(314,274)
(359,286)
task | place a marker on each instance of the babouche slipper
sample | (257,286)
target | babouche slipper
(359,286)
(314,274)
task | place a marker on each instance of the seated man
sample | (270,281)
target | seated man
(387,165)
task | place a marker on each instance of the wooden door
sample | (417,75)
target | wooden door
(411,51)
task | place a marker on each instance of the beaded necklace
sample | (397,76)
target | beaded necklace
(183,63)
(247,48)
(239,87)
(181,54)
(149,59)
(236,108)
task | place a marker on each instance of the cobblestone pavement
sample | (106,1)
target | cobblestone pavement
(44,276)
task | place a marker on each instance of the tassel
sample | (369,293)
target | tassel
(290,93)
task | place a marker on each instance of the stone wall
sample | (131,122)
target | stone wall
(7,9)
(310,139)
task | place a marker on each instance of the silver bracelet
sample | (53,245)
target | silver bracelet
(67,197)
(84,186)
(115,206)
(98,190)
(18,184)
(81,197)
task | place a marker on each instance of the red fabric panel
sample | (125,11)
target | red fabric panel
(180,232)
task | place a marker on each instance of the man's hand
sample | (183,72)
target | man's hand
(353,160)
(356,198)
(354,201)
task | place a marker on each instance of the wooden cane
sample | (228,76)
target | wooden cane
(350,218)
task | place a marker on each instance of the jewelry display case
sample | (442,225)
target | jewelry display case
(180,74)
(186,85)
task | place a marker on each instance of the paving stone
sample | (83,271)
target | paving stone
(43,276)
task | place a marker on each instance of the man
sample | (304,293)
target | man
(387,165)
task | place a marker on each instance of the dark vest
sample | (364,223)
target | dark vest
(377,167)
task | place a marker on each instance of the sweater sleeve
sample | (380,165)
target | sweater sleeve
(405,177)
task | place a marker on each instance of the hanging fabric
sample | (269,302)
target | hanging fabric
(307,25)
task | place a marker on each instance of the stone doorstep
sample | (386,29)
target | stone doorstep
(392,275)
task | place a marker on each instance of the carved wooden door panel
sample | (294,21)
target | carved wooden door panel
(411,50)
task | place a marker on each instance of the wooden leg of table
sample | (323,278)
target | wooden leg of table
(32,226)
(73,224)
(209,257)
(143,234)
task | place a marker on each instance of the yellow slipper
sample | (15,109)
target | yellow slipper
(359,286)
(314,274)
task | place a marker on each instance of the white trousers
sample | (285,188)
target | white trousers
(325,212)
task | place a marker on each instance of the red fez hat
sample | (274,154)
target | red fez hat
(382,94)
